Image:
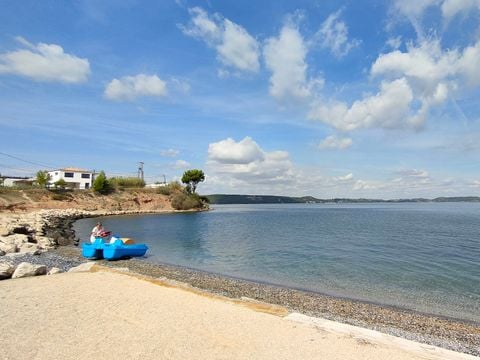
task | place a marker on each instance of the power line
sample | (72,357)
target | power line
(26,161)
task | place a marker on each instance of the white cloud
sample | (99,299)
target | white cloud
(413,173)
(229,151)
(395,42)
(181,164)
(235,46)
(244,162)
(169,153)
(333,34)
(414,81)
(387,109)
(348,177)
(44,62)
(414,8)
(128,88)
(285,58)
(333,142)
(450,8)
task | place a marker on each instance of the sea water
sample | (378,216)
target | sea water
(420,256)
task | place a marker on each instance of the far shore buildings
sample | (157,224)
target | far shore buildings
(76,178)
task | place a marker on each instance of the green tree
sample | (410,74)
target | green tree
(101,184)
(61,183)
(191,178)
(43,177)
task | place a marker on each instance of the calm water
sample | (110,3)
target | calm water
(419,256)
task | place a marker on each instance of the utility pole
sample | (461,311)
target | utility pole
(140,170)
(164,179)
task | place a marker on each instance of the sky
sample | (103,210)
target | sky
(376,99)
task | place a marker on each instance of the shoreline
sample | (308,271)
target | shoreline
(448,333)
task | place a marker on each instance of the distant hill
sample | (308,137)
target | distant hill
(272,199)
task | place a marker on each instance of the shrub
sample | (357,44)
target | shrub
(101,184)
(170,189)
(184,201)
(126,182)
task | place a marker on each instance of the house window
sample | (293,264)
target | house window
(69,174)
(56,172)
(85,176)
(87,185)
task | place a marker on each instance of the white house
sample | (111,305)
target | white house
(81,179)
(17,181)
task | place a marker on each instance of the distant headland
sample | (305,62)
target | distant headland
(272,199)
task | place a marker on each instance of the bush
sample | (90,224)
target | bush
(126,182)
(170,189)
(101,184)
(184,201)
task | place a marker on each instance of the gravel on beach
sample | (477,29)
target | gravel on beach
(434,330)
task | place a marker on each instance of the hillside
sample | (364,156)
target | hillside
(126,200)
(271,199)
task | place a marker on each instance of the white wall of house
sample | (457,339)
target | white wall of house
(81,179)
(16,181)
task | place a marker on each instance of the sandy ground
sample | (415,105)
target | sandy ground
(107,315)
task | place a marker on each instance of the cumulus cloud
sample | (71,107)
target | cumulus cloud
(234,45)
(333,35)
(246,163)
(389,108)
(229,151)
(413,82)
(128,88)
(44,62)
(333,142)
(285,58)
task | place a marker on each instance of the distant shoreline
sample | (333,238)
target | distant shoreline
(274,199)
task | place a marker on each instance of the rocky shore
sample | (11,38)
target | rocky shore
(49,229)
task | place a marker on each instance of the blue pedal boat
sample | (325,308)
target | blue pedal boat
(93,250)
(118,250)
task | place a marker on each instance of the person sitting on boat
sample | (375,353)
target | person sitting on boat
(98,232)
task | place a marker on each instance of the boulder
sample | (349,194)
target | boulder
(6,271)
(54,270)
(18,239)
(8,248)
(4,231)
(29,248)
(25,269)
(44,241)
(83,267)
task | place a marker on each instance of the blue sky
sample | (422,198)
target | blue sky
(324,98)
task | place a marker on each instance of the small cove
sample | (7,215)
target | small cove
(423,257)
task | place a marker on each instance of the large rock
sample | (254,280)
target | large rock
(83,267)
(54,270)
(6,271)
(17,239)
(8,248)
(29,248)
(4,231)
(25,269)
(44,241)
